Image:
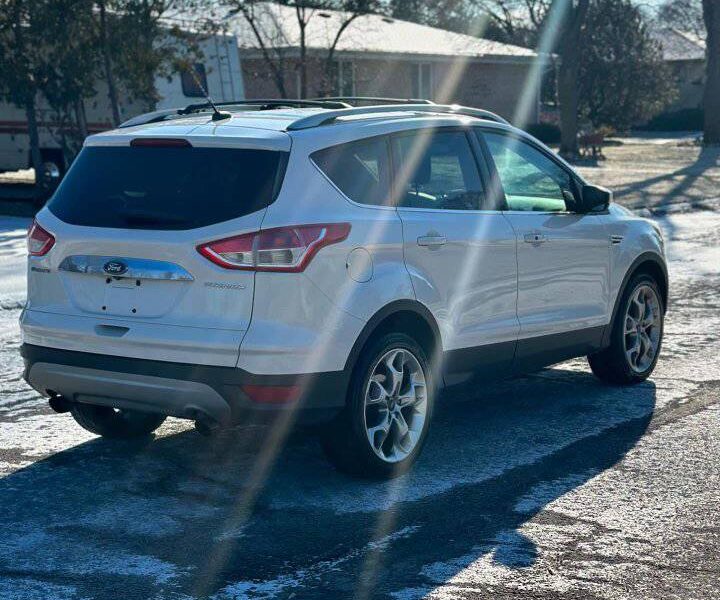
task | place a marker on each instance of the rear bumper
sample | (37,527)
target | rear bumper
(145,340)
(177,389)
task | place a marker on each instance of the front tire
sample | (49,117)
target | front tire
(115,423)
(381,431)
(636,336)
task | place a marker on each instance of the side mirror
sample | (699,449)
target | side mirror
(594,198)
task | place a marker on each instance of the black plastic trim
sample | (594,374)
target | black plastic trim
(545,350)
(645,257)
(388,310)
(491,361)
(324,390)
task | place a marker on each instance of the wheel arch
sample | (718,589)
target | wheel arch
(407,316)
(648,263)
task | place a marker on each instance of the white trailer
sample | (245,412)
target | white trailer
(220,72)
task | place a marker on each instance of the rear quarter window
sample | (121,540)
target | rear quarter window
(360,169)
(166,187)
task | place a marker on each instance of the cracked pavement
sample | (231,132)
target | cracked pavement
(547,486)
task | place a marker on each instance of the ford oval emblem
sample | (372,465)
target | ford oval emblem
(115,267)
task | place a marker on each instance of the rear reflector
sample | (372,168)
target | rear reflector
(273,394)
(39,241)
(161,143)
(288,249)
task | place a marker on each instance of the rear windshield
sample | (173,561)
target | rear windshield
(166,187)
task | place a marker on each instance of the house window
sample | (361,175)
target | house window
(422,80)
(194,81)
(345,81)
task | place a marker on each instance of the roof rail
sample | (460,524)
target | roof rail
(355,100)
(266,104)
(328,117)
(151,117)
(259,104)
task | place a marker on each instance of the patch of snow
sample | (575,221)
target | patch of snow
(128,514)
(13,261)
(38,551)
(16,588)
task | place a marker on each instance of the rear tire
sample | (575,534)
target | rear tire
(382,428)
(636,337)
(115,423)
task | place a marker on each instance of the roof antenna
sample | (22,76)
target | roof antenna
(217,115)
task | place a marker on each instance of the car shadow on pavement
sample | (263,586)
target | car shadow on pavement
(230,518)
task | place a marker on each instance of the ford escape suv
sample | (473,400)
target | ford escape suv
(344,261)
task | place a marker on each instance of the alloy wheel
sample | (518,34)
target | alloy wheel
(395,405)
(642,328)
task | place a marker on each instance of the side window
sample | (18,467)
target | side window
(194,81)
(437,170)
(531,180)
(360,169)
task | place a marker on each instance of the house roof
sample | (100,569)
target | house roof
(367,34)
(679,45)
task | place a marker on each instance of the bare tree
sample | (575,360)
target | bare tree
(711,16)
(135,41)
(685,15)
(268,35)
(276,44)
(454,15)
(515,21)
(552,26)
(72,64)
(571,18)
(107,63)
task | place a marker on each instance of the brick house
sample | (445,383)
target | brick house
(684,52)
(379,56)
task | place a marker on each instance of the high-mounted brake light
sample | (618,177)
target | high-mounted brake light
(160,143)
(39,241)
(287,249)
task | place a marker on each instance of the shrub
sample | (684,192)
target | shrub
(686,119)
(547,133)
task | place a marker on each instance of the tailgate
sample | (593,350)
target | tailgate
(125,269)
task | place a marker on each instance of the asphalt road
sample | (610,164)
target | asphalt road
(547,486)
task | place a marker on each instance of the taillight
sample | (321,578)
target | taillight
(288,249)
(39,241)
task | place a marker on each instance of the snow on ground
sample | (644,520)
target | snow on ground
(12,261)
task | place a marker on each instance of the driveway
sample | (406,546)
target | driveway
(548,486)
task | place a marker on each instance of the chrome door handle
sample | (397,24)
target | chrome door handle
(535,238)
(432,241)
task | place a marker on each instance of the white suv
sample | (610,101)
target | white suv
(346,261)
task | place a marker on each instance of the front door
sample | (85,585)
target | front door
(459,251)
(563,256)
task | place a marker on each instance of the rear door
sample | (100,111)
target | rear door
(563,256)
(125,272)
(459,250)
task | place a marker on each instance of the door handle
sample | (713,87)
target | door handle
(535,238)
(432,241)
